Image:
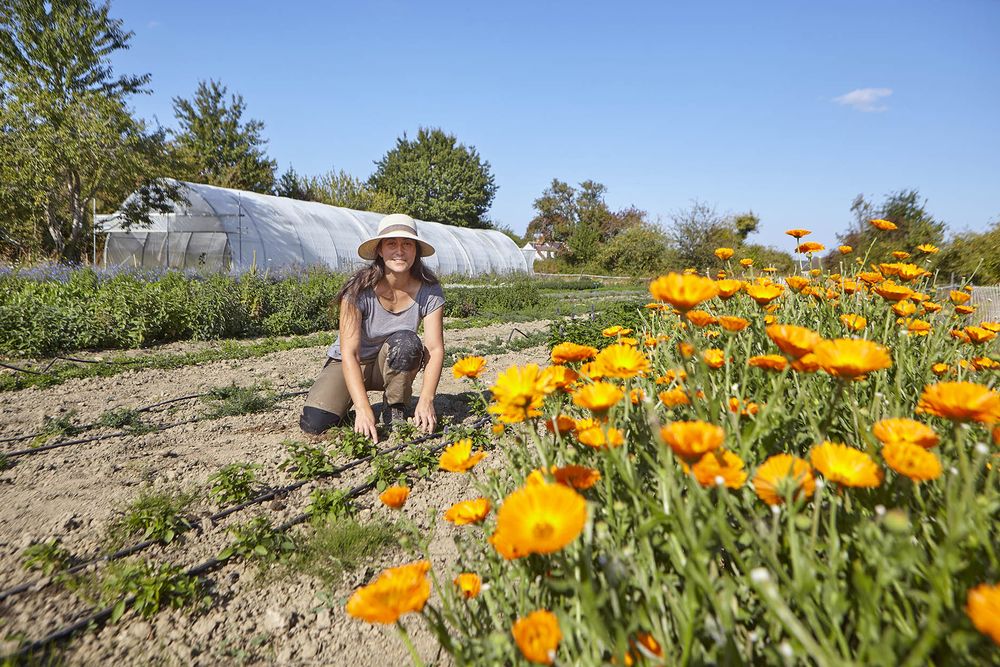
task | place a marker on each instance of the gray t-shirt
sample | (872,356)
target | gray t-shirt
(377,322)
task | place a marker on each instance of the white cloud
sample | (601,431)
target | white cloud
(865,99)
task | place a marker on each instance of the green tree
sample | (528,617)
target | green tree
(971,256)
(905,208)
(215,145)
(557,214)
(338,188)
(436,178)
(639,250)
(746,224)
(696,232)
(291,185)
(67,136)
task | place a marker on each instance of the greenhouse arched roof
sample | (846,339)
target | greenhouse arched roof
(225,229)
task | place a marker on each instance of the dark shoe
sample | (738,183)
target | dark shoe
(393,414)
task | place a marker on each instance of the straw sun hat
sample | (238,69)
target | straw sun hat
(395,226)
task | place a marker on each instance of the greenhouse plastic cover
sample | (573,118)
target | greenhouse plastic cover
(224,229)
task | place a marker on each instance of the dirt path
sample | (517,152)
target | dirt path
(75,492)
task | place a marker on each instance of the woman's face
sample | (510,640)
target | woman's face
(398,254)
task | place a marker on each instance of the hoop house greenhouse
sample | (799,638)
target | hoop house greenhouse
(232,230)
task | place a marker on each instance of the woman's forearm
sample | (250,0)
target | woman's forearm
(355,383)
(432,374)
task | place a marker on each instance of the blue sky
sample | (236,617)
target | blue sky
(786,108)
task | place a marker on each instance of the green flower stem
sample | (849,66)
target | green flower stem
(417,662)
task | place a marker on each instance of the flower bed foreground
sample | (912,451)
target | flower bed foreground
(801,471)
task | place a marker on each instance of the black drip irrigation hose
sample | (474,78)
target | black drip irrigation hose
(209,565)
(106,436)
(221,514)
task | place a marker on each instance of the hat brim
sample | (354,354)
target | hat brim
(367,249)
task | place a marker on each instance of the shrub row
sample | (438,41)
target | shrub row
(46,313)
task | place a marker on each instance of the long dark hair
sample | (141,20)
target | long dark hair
(368,277)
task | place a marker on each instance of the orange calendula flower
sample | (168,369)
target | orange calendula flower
(810,247)
(728,288)
(965,310)
(693,439)
(537,635)
(845,249)
(890,291)
(598,397)
(768,362)
(912,461)
(900,254)
(807,363)
(622,361)
(853,322)
(991,326)
(928,249)
(985,364)
(616,330)
(904,308)
(746,261)
(720,467)
(558,376)
(714,358)
(982,605)
(908,272)
(571,352)
(723,253)
(395,496)
(745,409)
(797,282)
(959,297)
(700,318)
(686,349)
(538,519)
(469,367)
(683,292)
(902,429)
(845,465)
(798,233)
(979,335)
(459,457)
(636,395)
(884,225)
(397,591)
(561,424)
(851,358)
(781,475)
(578,477)
(940,369)
(795,341)
(764,294)
(519,393)
(733,324)
(673,397)
(960,401)
(468,511)
(599,436)
(469,584)
(931,307)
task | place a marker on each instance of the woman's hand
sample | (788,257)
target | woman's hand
(364,423)
(424,416)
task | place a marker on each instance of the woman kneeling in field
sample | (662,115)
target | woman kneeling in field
(378,348)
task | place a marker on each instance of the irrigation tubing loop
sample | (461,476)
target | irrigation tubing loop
(221,514)
(209,565)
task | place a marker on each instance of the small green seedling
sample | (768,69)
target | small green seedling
(54,426)
(384,473)
(234,483)
(354,445)
(232,401)
(125,418)
(306,461)
(47,557)
(154,587)
(154,516)
(257,540)
(328,504)
(422,461)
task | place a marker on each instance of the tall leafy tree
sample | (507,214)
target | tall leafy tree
(907,210)
(215,145)
(557,213)
(67,136)
(437,178)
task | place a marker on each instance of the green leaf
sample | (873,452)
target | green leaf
(117,612)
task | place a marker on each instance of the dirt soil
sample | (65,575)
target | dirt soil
(283,617)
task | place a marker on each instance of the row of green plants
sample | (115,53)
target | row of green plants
(47,313)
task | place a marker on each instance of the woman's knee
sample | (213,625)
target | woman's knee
(405,351)
(316,421)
